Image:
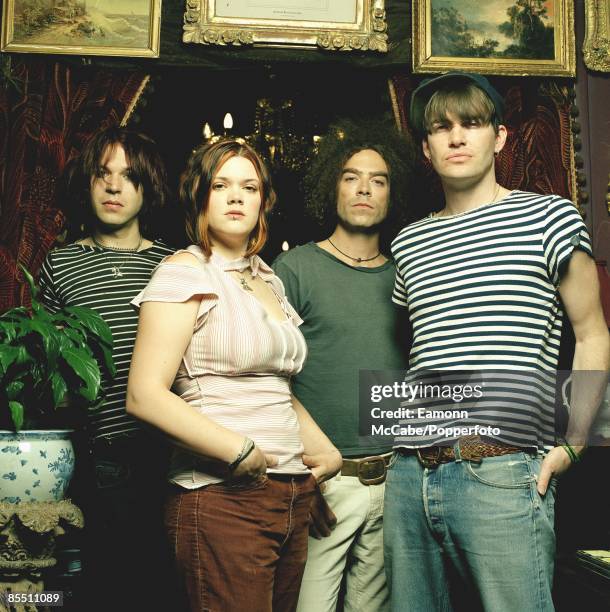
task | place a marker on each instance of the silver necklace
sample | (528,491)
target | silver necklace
(244,282)
(116,269)
(439,215)
(358,259)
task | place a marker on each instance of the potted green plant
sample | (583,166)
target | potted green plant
(49,373)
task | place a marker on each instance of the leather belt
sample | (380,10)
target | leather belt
(471,448)
(370,470)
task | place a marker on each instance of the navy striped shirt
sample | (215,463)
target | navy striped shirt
(482,292)
(80,275)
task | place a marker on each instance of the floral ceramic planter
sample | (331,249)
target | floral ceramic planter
(35,465)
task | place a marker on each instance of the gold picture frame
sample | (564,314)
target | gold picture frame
(596,48)
(129,28)
(332,25)
(489,37)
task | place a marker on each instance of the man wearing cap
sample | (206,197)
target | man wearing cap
(469,498)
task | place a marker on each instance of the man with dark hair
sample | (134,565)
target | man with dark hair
(341,288)
(114,188)
(470,496)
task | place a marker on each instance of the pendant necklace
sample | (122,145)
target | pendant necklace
(116,269)
(357,259)
(244,282)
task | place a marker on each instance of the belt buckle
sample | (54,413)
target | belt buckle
(429,462)
(367,464)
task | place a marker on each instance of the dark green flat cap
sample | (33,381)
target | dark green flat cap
(424,91)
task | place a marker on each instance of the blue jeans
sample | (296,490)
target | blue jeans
(469,535)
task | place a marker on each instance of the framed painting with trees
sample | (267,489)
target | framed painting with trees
(506,37)
(82,27)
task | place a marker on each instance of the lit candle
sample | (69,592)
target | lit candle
(207,131)
(227,122)
(285,246)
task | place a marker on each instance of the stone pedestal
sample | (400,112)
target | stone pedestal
(28,534)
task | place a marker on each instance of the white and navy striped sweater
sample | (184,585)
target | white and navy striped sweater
(482,292)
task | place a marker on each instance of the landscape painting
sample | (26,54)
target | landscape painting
(97,27)
(496,36)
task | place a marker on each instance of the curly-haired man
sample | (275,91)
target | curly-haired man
(342,289)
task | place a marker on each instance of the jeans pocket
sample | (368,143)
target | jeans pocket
(393,460)
(504,472)
(550,497)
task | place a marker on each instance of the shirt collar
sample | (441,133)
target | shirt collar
(257,266)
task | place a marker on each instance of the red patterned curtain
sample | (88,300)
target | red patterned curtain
(537,155)
(44,121)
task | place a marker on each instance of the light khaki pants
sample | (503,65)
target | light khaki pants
(354,549)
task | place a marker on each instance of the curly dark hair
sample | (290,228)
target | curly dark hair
(344,139)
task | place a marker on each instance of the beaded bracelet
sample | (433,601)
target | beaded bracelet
(246,449)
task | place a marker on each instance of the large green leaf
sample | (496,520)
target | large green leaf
(59,387)
(16,414)
(12,327)
(66,321)
(106,351)
(15,314)
(86,369)
(92,321)
(7,333)
(71,337)
(85,327)
(40,311)
(12,354)
(13,389)
(49,335)
(42,354)
(30,281)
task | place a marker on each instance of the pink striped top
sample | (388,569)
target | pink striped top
(237,366)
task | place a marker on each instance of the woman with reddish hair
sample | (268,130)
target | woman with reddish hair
(217,343)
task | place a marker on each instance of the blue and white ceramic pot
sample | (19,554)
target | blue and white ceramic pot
(35,465)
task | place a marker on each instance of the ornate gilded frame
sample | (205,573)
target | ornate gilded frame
(564,63)
(596,48)
(11,41)
(203,25)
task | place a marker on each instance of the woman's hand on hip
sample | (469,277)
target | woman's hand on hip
(254,465)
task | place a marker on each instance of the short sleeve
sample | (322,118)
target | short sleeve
(398,249)
(171,282)
(288,278)
(48,291)
(564,231)
(399,294)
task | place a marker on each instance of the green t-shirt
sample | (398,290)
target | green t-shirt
(350,324)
